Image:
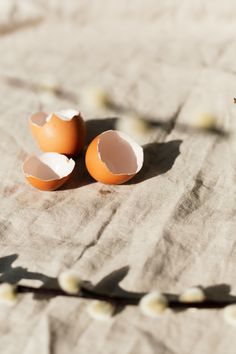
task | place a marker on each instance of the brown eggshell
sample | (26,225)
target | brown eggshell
(63,132)
(48,171)
(113,157)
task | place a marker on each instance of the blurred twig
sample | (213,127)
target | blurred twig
(119,109)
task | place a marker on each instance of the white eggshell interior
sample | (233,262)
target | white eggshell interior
(66,114)
(41,118)
(120,153)
(48,166)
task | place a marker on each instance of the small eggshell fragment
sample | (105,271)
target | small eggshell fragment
(48,171)
(113,157)
(63,132)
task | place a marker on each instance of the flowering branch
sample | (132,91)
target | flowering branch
(102,306)
(173,301)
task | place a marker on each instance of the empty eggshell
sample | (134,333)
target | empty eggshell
(48,171)
(113,157)
(63,132)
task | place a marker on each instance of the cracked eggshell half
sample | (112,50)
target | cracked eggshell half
(48,171)
(113,157)
(63,132)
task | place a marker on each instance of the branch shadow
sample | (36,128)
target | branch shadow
(110,285)
(158,159)
(107,285)
(13,275)
(98,126)
(79,177)
(216,292)
(219,292)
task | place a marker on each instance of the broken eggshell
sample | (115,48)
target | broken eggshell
(113,157)
(48,171)
(63,132)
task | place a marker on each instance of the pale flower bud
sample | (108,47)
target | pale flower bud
(48,83)
(153,304)
(193,294)
(95,98)
(101,310)
(205,121)
(134,126)
(229,314)
(8,294)
(69,282)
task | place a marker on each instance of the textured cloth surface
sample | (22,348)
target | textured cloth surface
(174,225)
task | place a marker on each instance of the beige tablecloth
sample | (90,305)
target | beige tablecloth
(174,225)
